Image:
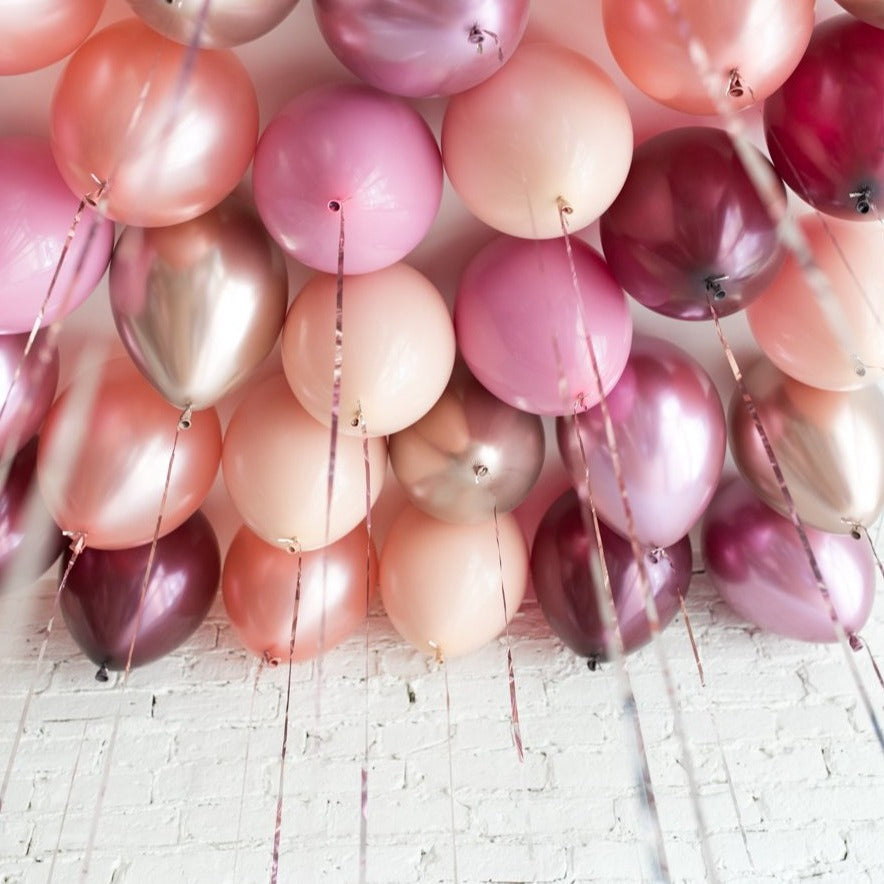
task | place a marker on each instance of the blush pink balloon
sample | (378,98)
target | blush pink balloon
(870,11)
(36,213)
(167,155)
(351,149)
(519,321)
(755,560)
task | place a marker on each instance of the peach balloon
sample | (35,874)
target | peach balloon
(37,33)
(102,462)
(398,348)
(258,585)
(168,154)
(441,582)
(838,346)
(752,47)
(275,464)
(550,124)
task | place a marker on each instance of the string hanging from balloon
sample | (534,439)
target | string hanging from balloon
(67,801)
(363,772)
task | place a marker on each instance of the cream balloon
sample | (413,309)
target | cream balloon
(549,125)
(398,348)
(275,464)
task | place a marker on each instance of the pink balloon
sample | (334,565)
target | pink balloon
(871,11)
(519,321)
(351,149)
(36,213)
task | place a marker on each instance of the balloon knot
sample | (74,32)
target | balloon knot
(863,198)
(592,662)
(102,675)
(186,420)
(271,660)
(735,87)
(713,286)
(856,643)
(334,205)
(77,539)
(290,544)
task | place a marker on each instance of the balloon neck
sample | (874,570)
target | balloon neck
(102,675)
(271,660)
(290,544)
(480,471)
(714,287)
(593,662)
(863,198)
(859,367)
(476,36)
(855,529)
(735,85)
(185,422)
(334,205)
(437,651)
(856,643)
(77,539)
(95,197)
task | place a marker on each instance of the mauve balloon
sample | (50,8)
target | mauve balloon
(689,224)
(671,435)
(422,48)
(101,600)
(824,127)
(871,11)
(755,560)
(563,581)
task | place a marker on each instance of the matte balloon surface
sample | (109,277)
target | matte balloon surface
(871,11)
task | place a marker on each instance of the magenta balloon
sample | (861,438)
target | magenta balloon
(518,324)
(422,48)
(36,212)
(350,146)
(560,568)
(825,125)
(688,224)
(755,560)
(101,600)
(671,434)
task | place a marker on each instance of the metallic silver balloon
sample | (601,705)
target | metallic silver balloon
(828,445)
(469,454)
(199,305)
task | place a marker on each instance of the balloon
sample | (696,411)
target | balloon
(757,564)
(398,348)
(828,445)
(752,47)
(441,583)
(804,340)
(469,455)
(560,566)
(102,463)
(258,584)
(101,602)
(36,212)
(671,435)
(167,155)
(824,126)
(510,169)
(422,48)
(519,324)
(37,33)
(347,148)
(275,464)
(688,224)
(870,11)
(217,23)
(199,305)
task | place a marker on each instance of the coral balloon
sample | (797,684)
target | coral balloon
(520,325)
(199,305)
(168,154)
(870,11)
(671,435)
(510,170)
(275,464)
(563,581)
(347,148)
(469,455)
(216,24)
(824,126)
(828,445)
(103,460)
(755,560)
(441,583)
(36,213)
(37,33)
(421,48)
(258,584)
(398,348)
(101,601)
(752,47)
(690,225)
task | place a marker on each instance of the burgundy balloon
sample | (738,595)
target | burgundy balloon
(101,599)
(756,561)
(689,225)
(825,125)
(563,581)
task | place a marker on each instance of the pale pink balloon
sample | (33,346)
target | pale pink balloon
(752,46)
(169,153)
(870,11)
(441,583)
(275,465)
(350,149)
(398,348)
(549,125)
